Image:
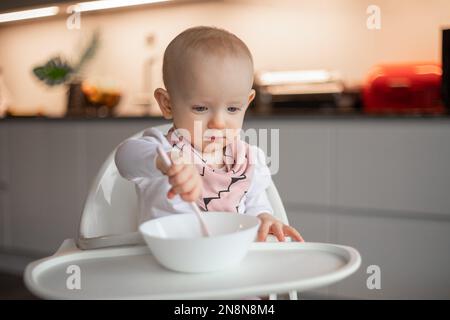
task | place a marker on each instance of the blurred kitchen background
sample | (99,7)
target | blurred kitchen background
(361,104)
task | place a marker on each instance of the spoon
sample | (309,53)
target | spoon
(198,213)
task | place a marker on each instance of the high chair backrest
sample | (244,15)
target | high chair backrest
(110,214)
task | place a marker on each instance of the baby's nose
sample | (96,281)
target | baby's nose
(216,122)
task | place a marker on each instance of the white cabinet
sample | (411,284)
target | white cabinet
(304,175)
(43,186)
(394,165)
(28,226)
(64,175)
(390,165)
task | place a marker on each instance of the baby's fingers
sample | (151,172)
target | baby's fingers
(294,234)
(193,195)
(176,156)
(174,169)
(185,187)
(277,229)
(180,177)
(263,231)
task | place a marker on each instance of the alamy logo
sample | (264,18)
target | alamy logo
(374,280)
(374,19)
(73,281)
(74,19)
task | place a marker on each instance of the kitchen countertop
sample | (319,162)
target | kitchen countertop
(250,116)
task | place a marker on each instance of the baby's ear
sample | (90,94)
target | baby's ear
(163,99)
(251,96)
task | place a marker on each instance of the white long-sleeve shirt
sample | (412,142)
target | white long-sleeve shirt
(135,160)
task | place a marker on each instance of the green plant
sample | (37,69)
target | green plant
(59,70)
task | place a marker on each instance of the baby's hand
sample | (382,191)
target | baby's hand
(184,178)
(270,224)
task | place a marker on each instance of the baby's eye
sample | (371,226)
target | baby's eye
(199,109)
(233,109)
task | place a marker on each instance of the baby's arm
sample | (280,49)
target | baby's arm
(135,159)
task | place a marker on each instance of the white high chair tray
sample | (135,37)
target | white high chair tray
(133,273)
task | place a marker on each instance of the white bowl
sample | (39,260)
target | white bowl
(177,243)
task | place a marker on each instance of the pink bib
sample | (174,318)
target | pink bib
(224,188)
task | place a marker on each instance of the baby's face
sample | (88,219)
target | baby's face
(211,99)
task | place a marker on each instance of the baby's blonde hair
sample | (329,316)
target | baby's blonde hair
(210,40)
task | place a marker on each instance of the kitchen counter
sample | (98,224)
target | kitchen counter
(250,116)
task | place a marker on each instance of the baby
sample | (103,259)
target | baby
(208,76)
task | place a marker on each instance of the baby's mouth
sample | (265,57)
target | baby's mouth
(214,138)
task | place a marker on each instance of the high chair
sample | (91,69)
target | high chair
(104,224)
(110,220)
